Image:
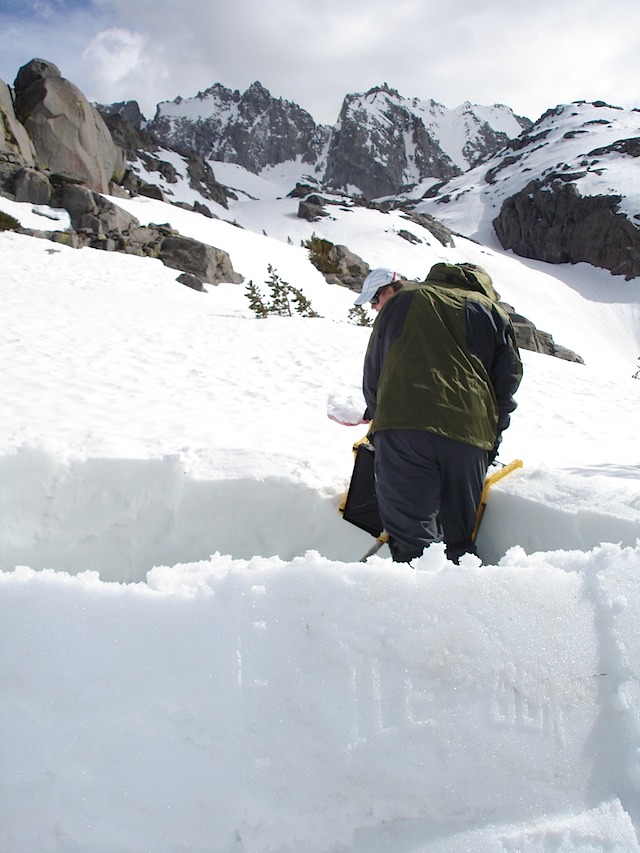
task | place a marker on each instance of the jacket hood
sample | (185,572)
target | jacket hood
(464,277)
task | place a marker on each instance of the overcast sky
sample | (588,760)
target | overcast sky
(528,54)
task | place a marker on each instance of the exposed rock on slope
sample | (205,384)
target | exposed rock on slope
(550,221)
(16,149)
(100,224)
(530,338)
(584,209)
(56,149)
(139,145)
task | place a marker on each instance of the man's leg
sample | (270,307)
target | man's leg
(464,468)
(408,486)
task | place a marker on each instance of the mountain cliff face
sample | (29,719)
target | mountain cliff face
(378,146)
(380,143)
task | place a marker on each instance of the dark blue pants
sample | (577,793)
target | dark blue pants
(428,489)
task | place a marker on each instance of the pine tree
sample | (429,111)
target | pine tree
(283,297)
(255,300)
(301,303)
(359,317)
(280,304)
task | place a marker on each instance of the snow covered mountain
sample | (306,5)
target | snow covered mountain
(566,191)
(380,142)
(563,191)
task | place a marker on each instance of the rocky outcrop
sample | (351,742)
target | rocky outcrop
(338,264)
(129,135)
(351,270)
(94,218)
(56,149)
(128,110)
(32,186)
(16,149)
(530,338)
(312,208)
(100,224)
(549,220)
(443,234)
(18,172)
(202,179)
(205,262)
(69,136)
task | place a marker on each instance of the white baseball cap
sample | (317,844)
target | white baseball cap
(376,279)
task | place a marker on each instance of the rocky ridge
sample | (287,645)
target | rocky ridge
(380,143)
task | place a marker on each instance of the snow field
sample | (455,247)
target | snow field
(191,656)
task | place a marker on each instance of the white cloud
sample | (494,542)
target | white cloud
(114,54)
(529,56)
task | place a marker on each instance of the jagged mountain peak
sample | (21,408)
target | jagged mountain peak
(380,143)
(252,129)
(215,99)
(384,95)
(219,97)
(256,88)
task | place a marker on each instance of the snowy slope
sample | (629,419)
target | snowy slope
(557,299)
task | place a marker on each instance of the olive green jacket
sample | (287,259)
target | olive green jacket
(443,357)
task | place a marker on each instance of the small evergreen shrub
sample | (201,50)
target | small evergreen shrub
(284,298)
(322,255)
(255,300)
(359,317)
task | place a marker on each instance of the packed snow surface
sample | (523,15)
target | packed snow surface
(193,656)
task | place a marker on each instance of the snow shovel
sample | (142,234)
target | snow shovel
(360,505)
(380,541)
(491,479)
